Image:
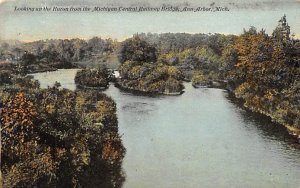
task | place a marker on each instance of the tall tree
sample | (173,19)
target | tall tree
(136,49)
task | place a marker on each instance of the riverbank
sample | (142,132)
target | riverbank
(201,128)
(48,69)
(291,129)
(221,84)
(224,85)
(93,88)
(53,66)
(121,85)
(93,78)
(86,118)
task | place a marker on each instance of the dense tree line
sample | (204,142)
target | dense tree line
(266,74)
(136,49)
(93,77)
(68,50)
(150,78)
(199,59)
(263,70)
(58,138)
(140,71)
(193,53)
(51,54)
(178,42)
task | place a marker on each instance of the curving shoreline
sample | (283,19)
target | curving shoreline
(291,130)
(119,84)
(89,87)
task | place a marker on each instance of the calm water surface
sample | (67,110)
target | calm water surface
(198,139)
(64,76)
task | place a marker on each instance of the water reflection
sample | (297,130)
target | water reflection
(139,107)
(202,138)
(64,76)
(266,128)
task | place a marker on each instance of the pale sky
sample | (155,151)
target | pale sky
(28,26)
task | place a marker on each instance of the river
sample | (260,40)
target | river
(199,139)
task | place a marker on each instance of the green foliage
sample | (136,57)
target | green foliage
(49,55)
(93,77)
(202,59)
(56,137)
(178,42)
(150,77)
(199,78)
(136,49)
(139,70)
(267,74)
(20,150)
(282,32)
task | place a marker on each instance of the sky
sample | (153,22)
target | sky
(30,26)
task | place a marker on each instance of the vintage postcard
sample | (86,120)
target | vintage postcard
(150,94)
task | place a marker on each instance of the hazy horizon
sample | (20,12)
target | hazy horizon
(118,40)
(32,26)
